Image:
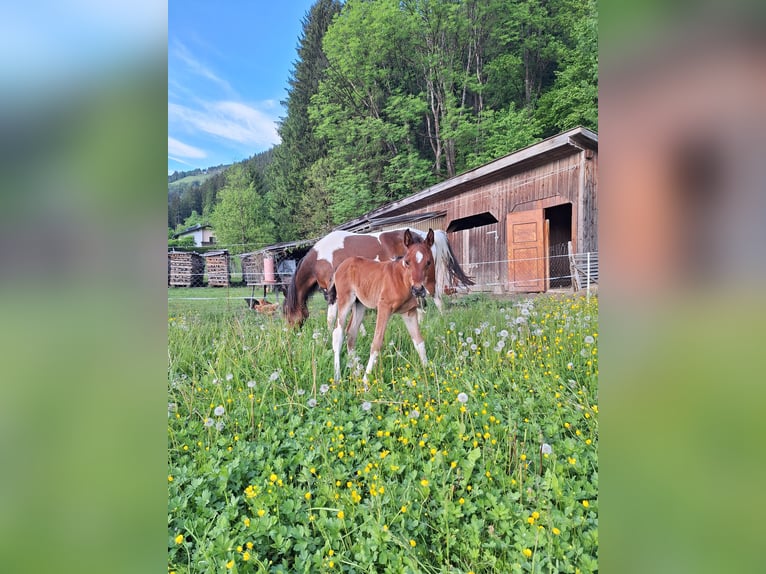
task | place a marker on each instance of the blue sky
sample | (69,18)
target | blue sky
(228,67)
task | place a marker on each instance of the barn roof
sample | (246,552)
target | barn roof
(283,247)
(561,145)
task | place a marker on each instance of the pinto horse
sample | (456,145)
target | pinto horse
(316,269)
(390,287)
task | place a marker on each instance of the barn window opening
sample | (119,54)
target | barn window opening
(471,221)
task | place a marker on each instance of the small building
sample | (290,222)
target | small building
(273,265)
(218,268)
(203,235)
(185,269)
(509,221)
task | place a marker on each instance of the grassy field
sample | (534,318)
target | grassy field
(486,461)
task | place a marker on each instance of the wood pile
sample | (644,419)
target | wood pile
(252,268)
(218,274)
(185,269)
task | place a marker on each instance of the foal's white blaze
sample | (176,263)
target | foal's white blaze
(418,257)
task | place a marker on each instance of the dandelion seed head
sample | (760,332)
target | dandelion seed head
(366,405)
(462,398)
(219,410)
(274,376)
(229,376)
(219,426)
(414,414)
(209,422)
(301,392)
(589,340)
(503,333)
(251,384)
(312,403)
(546,448)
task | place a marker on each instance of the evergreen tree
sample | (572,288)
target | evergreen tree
(300,147)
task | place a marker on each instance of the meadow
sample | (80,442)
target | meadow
(484,462)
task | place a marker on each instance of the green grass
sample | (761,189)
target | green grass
(304,474)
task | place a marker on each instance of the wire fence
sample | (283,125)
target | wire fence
(576,270)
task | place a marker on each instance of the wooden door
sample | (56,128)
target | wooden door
(527,256)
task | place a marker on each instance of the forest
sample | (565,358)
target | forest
(388,97)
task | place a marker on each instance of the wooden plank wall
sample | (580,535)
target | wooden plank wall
(482,251)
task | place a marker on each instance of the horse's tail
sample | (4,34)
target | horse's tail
(447,266)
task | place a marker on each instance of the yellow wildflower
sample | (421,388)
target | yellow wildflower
(341,515)
(246,556)
(527,552)
(413,543)
(179,539)
(556,531)
(230,564)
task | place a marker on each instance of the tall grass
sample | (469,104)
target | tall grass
(486,461)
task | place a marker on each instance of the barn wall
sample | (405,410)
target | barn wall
(482,251)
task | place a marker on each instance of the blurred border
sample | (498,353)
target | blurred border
(682,148)
(83,132)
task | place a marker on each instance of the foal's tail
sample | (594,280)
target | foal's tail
(447,266)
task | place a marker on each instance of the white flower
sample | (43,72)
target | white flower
(366,405)
(477,331)
(301,392)
(324,388)
(474,347)
(589,340)
(316,335)
(215,381)
(469,340)
(172,407)
(520,320)
(312,403)
(251,384)
(219,410)
(229,377)
(463,398)
(503,333)
(208,422)
(274,376)
(546,448)
(414,414)
(219,426)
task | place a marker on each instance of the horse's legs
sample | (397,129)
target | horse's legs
(332,313)
(411,322)
(357,316)
(344,306)
(377,341)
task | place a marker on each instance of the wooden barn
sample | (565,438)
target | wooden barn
(185,269)
(218,268)
(509,221)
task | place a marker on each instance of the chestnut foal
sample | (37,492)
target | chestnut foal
(390,287)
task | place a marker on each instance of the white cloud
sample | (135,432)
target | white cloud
(178,148)
(229,120)
(197,67)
